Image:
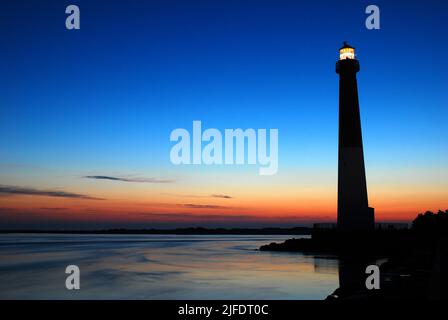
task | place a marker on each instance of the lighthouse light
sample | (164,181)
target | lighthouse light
(346,53)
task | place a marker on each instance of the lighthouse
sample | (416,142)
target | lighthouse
(354,213)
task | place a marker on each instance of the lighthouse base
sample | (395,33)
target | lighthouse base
(359,220)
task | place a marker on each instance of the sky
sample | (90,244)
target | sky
(86,115)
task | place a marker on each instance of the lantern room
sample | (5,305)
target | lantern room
(346,52)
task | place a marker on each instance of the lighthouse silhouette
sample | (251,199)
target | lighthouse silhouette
(354,213)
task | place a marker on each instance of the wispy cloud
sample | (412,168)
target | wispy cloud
(215,195)
(223,196)
(13,190)
(124,179)
(204,206)
(193,216)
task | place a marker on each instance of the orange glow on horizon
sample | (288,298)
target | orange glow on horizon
(190,210)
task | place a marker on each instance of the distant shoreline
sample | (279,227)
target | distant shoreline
(178,231)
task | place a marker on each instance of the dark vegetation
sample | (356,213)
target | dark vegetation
(415,259)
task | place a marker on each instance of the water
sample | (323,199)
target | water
(160,267)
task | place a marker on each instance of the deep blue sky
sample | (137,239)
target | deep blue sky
(138,69)
(107,96)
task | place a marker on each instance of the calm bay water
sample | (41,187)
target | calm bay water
(32,266)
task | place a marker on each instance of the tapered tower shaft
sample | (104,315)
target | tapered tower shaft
(354,214)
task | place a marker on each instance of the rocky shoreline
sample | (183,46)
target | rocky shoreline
(412,269)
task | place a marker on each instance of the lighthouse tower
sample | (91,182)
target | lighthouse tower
(354,213)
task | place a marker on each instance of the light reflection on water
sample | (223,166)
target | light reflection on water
(160,267)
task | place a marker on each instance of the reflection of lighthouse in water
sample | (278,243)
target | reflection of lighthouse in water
(354,213)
